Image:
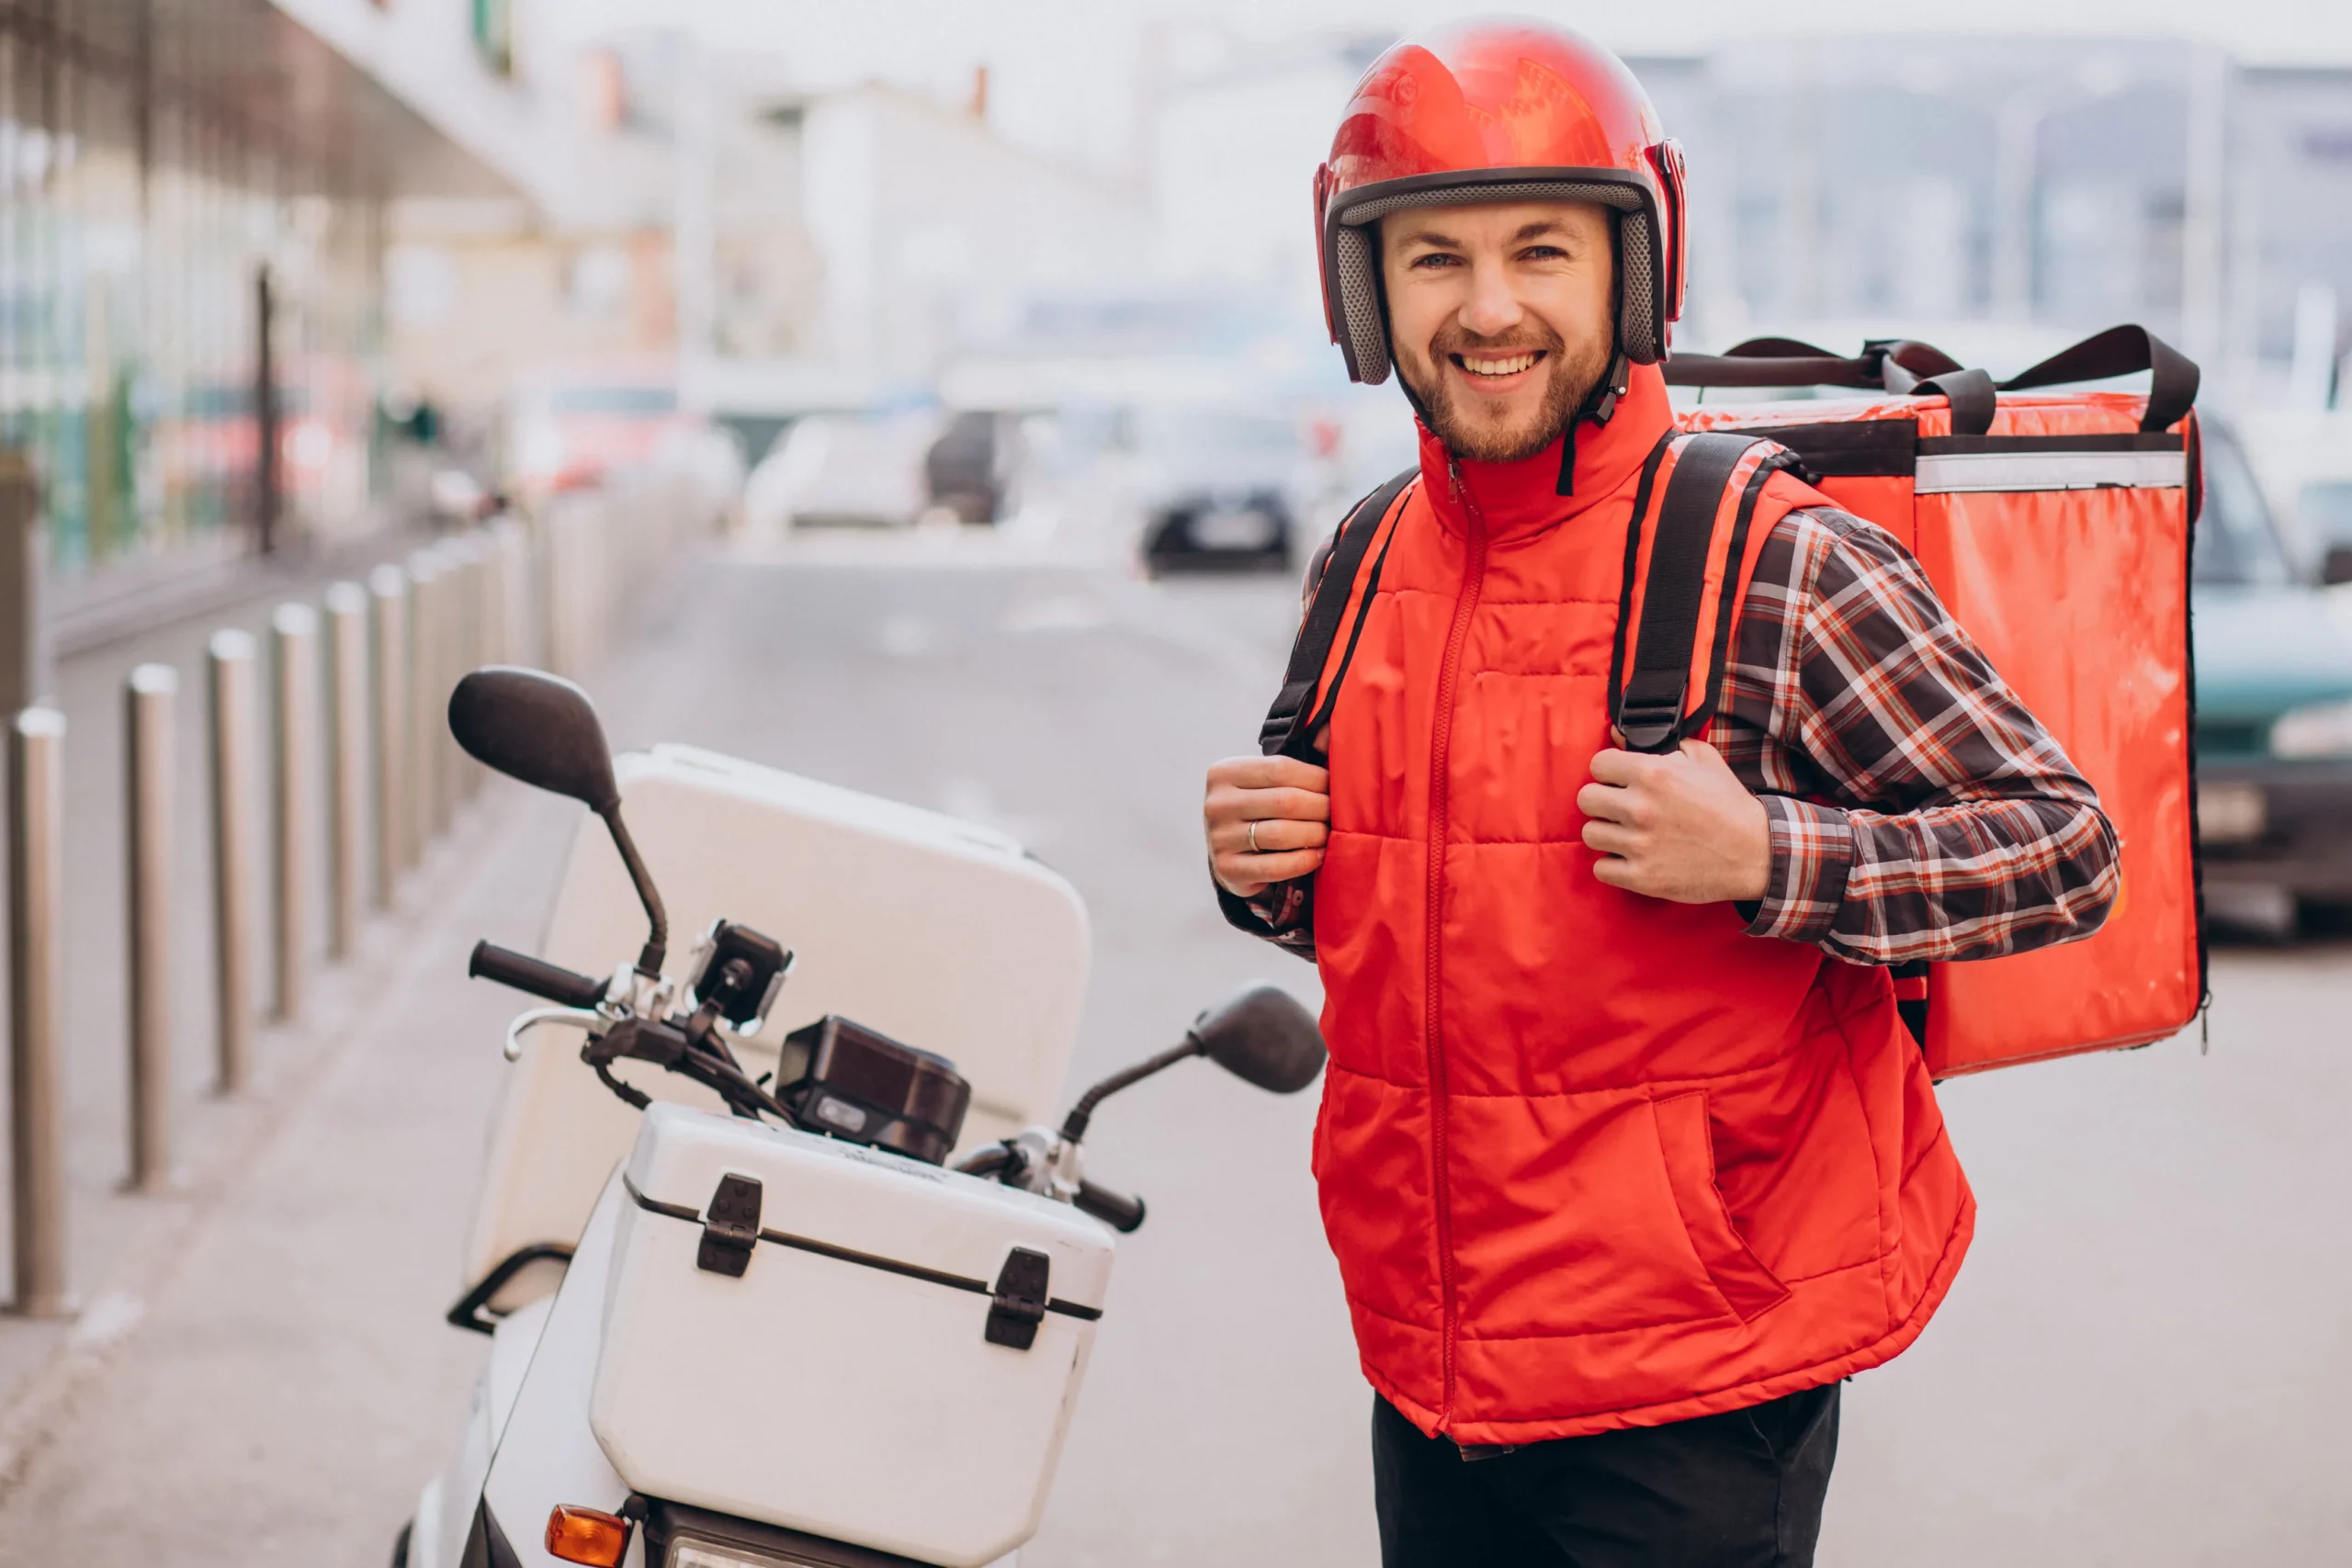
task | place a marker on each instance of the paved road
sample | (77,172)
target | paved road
(2143,1363)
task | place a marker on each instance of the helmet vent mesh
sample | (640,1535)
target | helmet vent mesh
(1640,337)
(1367,333)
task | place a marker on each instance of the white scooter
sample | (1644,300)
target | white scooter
(789,1334)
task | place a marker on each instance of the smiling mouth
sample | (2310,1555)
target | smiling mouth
(1496,367)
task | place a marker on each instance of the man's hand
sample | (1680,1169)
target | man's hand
(1290,804)
(1677,827)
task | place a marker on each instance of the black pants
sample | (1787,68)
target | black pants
(1738,1490)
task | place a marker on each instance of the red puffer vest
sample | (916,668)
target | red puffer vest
(1588,1159)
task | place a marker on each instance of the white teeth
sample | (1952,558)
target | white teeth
(1510,367)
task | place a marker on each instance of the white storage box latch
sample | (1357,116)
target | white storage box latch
(1017,1305)
(730,1226)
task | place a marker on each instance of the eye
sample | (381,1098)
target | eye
(1543,253)
(1432,260)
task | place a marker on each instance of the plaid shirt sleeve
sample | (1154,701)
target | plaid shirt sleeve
(1918,810)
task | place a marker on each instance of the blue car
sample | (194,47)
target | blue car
(2274,713)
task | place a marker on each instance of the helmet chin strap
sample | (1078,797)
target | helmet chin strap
(1599,404)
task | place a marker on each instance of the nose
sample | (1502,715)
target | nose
(1491,309)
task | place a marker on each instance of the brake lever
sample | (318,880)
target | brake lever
(584,1017)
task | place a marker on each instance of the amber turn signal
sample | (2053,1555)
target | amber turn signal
(587,1535)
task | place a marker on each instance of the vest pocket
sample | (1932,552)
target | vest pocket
(1747,1287)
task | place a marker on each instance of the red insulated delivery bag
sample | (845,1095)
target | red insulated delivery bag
(2056,526)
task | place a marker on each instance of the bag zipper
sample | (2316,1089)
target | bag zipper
(1466,606)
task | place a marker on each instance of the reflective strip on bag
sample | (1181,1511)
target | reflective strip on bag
(1945,472)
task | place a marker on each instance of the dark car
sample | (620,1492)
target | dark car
(969,469)
(2274,712)
(1218,489)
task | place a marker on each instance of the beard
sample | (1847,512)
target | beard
(1478,436)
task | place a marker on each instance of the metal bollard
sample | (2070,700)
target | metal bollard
(26,666)
(428,647)
(35,996)
(456,635)
(559,581)
(150,756)
(230,657)
(511,548)
(474,572)
(387,713)
(346,762)
(294,640)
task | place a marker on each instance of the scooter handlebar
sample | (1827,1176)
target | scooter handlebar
(524,973)
(1119,1211)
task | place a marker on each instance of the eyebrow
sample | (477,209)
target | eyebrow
(1526,232)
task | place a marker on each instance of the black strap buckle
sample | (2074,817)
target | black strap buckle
(1017,1305)
(730,1226)
(1651,726)
(1283,716)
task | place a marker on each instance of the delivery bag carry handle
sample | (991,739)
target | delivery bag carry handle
(1786,362)
(2124,351)
(1902,366)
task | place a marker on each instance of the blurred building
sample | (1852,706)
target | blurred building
(759,250)
(2015,192)
(192,202)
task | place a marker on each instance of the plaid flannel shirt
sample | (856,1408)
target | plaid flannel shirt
(1918,810)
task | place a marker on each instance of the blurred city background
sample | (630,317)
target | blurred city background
(937,398)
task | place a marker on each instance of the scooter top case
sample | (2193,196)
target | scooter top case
(935,931)
(840,1340)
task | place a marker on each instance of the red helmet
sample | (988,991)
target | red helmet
(1500,110)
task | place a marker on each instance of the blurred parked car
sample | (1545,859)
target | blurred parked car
(858,470)
(2325,507)
(2274,711)
(971,470)
(1222,490)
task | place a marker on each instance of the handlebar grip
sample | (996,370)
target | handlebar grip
(1121,1213)
(536,975)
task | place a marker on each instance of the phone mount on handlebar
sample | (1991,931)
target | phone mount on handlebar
(737,972)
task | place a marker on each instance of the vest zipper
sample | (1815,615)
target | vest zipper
(1466,606)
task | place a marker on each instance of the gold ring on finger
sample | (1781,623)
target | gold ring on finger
(1253,839)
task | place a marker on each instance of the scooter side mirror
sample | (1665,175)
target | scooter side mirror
(1262,1035)
(543,730)
(537,727)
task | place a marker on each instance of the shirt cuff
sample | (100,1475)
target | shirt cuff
(1813,849)
(1281,913)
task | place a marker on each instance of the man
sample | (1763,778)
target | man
(1625,1155)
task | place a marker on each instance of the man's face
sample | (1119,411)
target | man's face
(1500,318)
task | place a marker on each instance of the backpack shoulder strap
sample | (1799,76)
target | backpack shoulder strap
(1290,729)
(1652,705)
